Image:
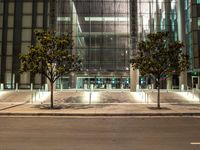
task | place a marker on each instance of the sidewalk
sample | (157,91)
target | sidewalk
(125,109)
(104,103)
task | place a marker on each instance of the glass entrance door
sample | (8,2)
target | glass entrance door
(63,83)
(103,82)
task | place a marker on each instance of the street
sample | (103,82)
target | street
(99,133)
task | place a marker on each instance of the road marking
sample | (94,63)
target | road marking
(195,143)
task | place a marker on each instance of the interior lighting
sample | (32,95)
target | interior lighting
(106,19)
(93,97)
(63,19)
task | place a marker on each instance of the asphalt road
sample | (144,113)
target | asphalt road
(53,133)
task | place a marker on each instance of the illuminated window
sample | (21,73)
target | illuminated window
(198,23)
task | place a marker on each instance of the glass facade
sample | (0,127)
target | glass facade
(18,20)
(101,33)
(157,15)
(105,34)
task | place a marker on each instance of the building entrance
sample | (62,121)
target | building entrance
(103,82)
(63,83)
(195,81)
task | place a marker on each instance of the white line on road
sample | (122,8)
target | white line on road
(195,143)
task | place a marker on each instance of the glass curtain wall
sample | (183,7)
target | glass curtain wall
(192,35)
(101,33)
(1,31)
(155,16)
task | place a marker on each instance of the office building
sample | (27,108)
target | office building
(105,34)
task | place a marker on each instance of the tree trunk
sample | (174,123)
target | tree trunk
(51,94)
(158,97)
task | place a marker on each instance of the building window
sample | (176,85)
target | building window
(8,63)
(24,78)
(11,8)
(1,21)
(8,79)
(10,21)
(1,8)
(9,49)
(27,21)
(25,47)
(39,21)
(10,35)
(26,35)
(27,7)
(198,1)
(40,8)
(0,35)
(198,23)
(0,48)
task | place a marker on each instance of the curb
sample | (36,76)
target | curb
(102,114)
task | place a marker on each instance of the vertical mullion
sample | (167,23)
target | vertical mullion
(17,32)
(33,41)
(4,41)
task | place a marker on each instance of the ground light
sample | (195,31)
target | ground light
(139,97)
(91,97)
(40,96)
(190,96)
(2,93)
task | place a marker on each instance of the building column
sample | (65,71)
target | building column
(73,80)
(134,79)
(169,82)
(181,37)
(183,80)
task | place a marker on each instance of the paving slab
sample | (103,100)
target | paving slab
(101,103)
(104,110)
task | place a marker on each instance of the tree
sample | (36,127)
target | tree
(50,56)
(158,56)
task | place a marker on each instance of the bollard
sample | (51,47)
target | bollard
(16,87)
(122,87)
(197,86)
(137,88)
(182,87)
(85,86)
(91,87)
(39,94)
(90,97)
(32,97)
(31,86)
(152,86)
(147,98)
(46,87)
(2,86)
(61,87)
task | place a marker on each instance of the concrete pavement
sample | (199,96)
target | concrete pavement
(102,103)
(104,110)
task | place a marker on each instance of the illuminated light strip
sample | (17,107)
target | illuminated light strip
(63,19)
(106,19)
(195,143)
